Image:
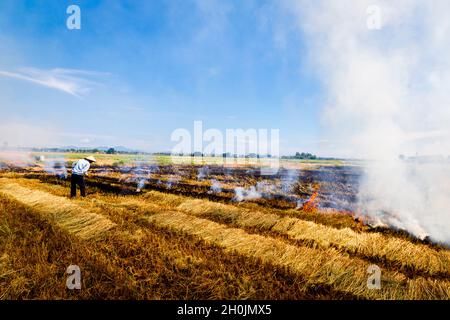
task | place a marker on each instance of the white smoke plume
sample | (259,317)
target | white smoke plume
(172,180)
(16,158)
(202,173)
(103,171)
(56,166)
(387,94)
(243,194)
(216,187)
(139,173)
(262,189)
(267,188)
(289,180)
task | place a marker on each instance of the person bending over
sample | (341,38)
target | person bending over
(79,170)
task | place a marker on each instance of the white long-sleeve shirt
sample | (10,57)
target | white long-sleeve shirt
(81,167)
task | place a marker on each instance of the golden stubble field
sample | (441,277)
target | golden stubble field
(162,245)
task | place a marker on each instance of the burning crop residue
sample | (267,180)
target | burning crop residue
(172,180)
(289,179)
(203,173)
(320,190)
(282,187)
(216,187)
(139,173)
(16,158)
(243,194)
(56,166)
(289,188)
(310,205)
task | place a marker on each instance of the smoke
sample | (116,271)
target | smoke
(203,172)
(216,187)
(16,158)
(266,188)
(262,189)
(172,180)
(143,173)
(103,171)
(387,95)
(56,166)
(242,194)
(300,203)
(289,179)
(139,173)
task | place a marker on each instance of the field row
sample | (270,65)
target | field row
(130,261)
(322,256)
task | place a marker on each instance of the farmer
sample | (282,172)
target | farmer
(79,170)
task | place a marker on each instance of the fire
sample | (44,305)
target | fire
(360,220)
(310,205)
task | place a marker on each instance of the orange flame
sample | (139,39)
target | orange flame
(361,220)
(309,205)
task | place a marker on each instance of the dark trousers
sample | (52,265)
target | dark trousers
(77,180)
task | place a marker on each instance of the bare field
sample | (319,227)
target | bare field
(149,231)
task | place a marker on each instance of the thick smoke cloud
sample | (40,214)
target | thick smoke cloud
(387,95)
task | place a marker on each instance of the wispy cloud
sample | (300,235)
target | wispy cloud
(75,82)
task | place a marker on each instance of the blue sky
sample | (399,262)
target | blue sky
(137,70)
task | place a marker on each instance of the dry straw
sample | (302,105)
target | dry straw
(399,252)
(319,266)
(60,211)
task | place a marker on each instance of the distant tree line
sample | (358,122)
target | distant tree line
(302,156)
(298,155)
(85,150)
(222,155)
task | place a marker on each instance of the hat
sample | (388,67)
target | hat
(90,158)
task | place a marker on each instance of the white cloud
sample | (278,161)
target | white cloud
(74,82)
